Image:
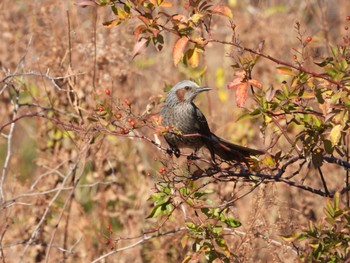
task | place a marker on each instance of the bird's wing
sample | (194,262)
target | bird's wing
(201,123)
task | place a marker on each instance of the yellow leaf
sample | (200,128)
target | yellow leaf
(335,134)
(285,71)
(179,48)
(112,23)
(193,59)
(196,17)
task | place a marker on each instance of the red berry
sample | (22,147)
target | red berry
(348,18)
(161,170)
(118,116)
(129,120)
(108,242)
(308,38)
(346,27)
(108,92)
(100,108)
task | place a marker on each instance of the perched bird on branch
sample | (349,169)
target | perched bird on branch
(188,127)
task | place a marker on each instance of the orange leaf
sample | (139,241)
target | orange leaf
(179,49)
(241,94)
(241,90)
(112,23)
(255,83)
(223,10)
(144,20)
(138,30)
(180,18)
(166,4)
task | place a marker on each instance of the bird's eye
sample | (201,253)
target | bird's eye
(187,88)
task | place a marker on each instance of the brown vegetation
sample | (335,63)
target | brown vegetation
(80,166)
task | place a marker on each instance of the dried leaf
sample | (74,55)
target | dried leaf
(254,83)
(285,71)
(223,10)
(139,47)
(112,23)
(335,134)
(166,4)
(241,91)
(144,20)
(138,30)
(197,17)
(179,49)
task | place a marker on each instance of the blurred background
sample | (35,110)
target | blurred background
(118,173)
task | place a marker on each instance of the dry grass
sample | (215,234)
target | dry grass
(119,173)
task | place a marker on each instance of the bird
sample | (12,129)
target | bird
(187,127)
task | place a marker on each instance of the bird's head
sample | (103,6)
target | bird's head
(184,91)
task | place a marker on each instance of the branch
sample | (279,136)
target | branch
(280,62)
(142,240)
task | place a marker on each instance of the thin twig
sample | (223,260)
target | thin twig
(142,240)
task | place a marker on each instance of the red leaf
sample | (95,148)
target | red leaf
(138,30)
(179,49)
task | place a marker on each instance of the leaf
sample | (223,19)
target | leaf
(138,30)
(197,17)
(231,222)
(285,71)
(241,92)
(112,23)
(193,58)
(254,83)
(223,10)
(166,4)
(145,20)
(155,211)
(335,134)
(139,47)
(179,49)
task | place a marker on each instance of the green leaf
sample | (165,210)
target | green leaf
(155,211)
(231,222)
(325,62)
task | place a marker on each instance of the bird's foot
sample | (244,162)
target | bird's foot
(192,157)
(172,151)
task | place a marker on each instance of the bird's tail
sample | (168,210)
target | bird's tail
(232,152)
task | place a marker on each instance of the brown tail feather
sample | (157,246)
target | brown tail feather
(232,152)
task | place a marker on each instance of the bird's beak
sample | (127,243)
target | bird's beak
(204,88)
